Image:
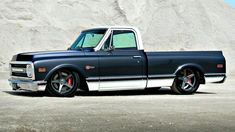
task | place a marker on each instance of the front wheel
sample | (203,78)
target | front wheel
(186,82)
(63,83)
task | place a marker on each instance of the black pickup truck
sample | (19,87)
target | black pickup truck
(113,58)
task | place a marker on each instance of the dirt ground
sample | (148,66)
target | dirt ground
(212,108)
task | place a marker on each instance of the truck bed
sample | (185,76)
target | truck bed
(162,63)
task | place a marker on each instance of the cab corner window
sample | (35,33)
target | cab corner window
(124,39)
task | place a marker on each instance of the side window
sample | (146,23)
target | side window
(123,39)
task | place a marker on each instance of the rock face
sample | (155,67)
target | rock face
(34,25)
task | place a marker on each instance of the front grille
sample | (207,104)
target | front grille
(18,69)
(18,65)
(19,74)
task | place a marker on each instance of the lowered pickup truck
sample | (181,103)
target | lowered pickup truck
(113,58)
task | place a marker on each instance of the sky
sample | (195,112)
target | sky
(230,2)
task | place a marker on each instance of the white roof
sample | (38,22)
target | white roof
(114,27)
(136,30)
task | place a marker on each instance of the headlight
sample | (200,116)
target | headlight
(29,70)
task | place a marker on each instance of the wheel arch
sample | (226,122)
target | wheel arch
(196,67)
(81,73)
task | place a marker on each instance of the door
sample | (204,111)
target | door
(120,63)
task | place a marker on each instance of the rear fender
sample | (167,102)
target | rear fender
(195,67)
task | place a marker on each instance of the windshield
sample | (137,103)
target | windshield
(88,39)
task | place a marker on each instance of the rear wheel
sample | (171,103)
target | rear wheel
(186,82)
(63,83)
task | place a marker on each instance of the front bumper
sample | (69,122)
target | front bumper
(24,84)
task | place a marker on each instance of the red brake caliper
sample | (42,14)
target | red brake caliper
(70,81)
(190,80)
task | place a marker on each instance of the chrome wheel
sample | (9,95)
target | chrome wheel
(186,82)
(63,83)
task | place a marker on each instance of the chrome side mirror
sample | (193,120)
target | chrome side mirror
(111,48)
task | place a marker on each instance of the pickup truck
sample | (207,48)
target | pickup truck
(113,58)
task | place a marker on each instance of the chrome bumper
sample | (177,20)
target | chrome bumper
(23,84)
(215,78)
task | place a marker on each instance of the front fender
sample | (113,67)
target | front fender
(66,66)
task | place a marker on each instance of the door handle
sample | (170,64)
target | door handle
(136,57)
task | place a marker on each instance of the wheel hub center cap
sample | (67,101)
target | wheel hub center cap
(62,81)
(185,79)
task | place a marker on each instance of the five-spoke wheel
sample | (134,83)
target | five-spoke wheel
(186,82)
(63,83)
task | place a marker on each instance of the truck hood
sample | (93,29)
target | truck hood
(41,55)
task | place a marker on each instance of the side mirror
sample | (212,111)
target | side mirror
(111,48)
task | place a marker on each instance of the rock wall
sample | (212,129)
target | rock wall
(34,25)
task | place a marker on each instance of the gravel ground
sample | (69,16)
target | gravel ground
(212,108)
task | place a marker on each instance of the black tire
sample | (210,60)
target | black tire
(63,83)
(186,81)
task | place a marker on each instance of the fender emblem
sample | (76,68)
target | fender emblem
(87,67)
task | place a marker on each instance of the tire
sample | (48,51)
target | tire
(186,82)
(63,83)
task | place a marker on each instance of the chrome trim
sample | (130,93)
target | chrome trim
(23,62)
(215,74)
(20,78)
(20,62)
(137,57)
(92,79)
(162,76)
(18,70)
(121,77)
(115,78)
(214,79)
(27,84)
